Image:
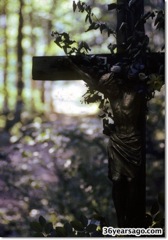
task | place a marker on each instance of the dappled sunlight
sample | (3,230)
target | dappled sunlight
(60,161)
(67,99)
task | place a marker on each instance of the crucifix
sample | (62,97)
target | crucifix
(123,82)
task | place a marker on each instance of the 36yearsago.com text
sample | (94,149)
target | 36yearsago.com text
(110,231)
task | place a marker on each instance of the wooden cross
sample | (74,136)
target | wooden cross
(60,68)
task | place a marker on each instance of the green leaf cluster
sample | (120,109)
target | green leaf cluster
(42,227)
(155,217)
(80,227)
(133,67)
(69,46)
(94,22)
(160,20)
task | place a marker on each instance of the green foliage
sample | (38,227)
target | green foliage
(155,82)
(86,227)
(91,18)
(113,6)
(155,218)
(130,70)
(160,20)
(81,227)
(53,165)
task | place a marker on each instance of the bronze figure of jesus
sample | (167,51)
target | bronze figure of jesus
(124,152)
(125,142)
(125,148)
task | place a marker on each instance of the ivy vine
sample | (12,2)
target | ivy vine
(133,68)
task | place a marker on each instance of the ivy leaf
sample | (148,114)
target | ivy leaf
(158,217)
(48,228)
(110,115)
(112,47)
(87,17)
(82,234)
(101,105)
(148,220)
(74,6)
(83,220)
(81,6)
(93,25)
(163,47)
(154,208)
(123,26)
(131,2)
(91,228)
(157,225)
(83,45)
(152,15)
(35,226)
(102,115)
(65,49)
(90,20)
(77,225)
(147,15)
(86,46)
(68,229)
(97,215)
(66,36)
(159,21)
(38,234)
(42,221)
(103,26)
(112,6)
(97,234)
(161,199)
(110,31)
(60,232)
(156,81)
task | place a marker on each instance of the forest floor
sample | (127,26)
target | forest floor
(56,168)
(31,159)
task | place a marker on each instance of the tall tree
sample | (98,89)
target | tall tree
(20,83)
(6,58)
(19,72)
(33,51)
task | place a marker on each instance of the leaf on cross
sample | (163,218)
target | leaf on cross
(159,21)
(93,26)
(155,81)
(83,45)
(103,26)
(74,6)
(112,6)
(123,26)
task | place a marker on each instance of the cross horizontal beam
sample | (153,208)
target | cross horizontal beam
(59,67)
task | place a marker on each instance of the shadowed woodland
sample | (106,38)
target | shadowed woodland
(53,159)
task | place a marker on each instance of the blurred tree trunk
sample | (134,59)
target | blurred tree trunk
(50,25)
(6,60)
(33,52)
(19,84)
(43,92)
(48,85)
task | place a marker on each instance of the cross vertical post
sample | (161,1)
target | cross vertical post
(128,18)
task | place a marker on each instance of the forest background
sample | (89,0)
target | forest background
(53,159)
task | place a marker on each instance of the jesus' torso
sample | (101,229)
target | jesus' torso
(126,107)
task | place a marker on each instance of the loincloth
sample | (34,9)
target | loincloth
(124,155)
